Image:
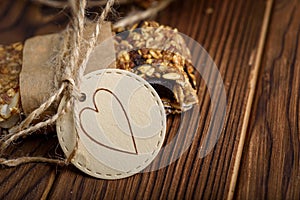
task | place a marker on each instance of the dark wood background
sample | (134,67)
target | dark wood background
(229,30)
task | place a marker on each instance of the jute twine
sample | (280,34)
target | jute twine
(71,65)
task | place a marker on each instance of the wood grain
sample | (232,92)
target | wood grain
(30,180)
(230,34)
(229,31)
(270,166)
(252,92)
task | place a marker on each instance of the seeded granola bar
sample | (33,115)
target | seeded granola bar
(159,54)
(10,67)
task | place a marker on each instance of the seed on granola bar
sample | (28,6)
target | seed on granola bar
(171,76)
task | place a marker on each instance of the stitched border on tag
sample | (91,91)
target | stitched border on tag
(146,162)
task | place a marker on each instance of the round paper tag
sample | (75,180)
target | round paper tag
(121,125)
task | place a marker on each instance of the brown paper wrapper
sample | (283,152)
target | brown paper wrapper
(38,78)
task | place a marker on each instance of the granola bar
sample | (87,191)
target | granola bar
(159,54)
(10,67)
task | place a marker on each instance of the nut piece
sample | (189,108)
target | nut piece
(171,76)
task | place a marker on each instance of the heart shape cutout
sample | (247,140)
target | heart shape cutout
(95,109)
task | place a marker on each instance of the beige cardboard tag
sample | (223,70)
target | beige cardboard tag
(37,78)
(121,125)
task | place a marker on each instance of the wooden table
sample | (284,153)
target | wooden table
(258,153)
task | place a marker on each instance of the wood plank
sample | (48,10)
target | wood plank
(30,180)
(270,166)
(230,34)
(252,89)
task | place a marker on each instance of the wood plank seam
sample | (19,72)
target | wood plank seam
(252,91)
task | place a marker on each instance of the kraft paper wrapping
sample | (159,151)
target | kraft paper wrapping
(38,76)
